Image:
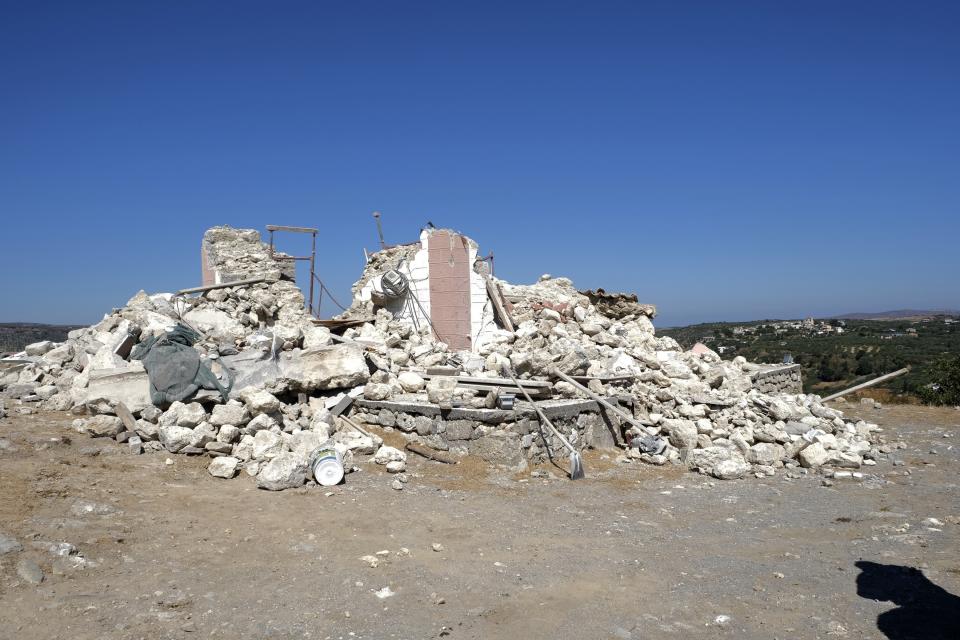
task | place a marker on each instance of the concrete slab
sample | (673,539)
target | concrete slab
(129,385)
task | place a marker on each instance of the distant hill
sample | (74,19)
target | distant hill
(14,336)
(898,314)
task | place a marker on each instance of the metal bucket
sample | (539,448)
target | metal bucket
(327,466)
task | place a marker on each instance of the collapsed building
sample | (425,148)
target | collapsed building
(433,345)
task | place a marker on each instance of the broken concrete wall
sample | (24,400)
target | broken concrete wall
(619,305)
(773,379)
(445,288)
(511,437)
(228,255)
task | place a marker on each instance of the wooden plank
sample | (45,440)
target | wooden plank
(499,308)
(617,410)
(604,379)
(538,392)
(527,384)
(342,324)
(279,227)
(869,383)
(222,285)
(431,454)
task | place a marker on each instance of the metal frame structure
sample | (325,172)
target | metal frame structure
(312,257)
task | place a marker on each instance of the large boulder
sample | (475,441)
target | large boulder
(267,445)
(682,433)
(377,391)
(228,433)
(174,438)
(411,381)
(259,423)
(730,469)
(215,324)
(223,467)
(231,413)
(261,402)
(316,337)
(675,369)
(59,355)
(440,390)
(765,453)
(184,415)
(385,455)
(104,426)
(335,367)
(356,442)
(203,434)
(285,471)
(39,348)
(146,430)
(723,463)
(814,456)
(306,442)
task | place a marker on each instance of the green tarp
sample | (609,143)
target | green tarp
(174,367)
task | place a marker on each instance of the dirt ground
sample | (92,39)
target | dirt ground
(631,552)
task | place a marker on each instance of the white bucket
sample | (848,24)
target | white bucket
(327,466)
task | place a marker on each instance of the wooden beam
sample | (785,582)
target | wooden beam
(535,391)
(222,285)
(868,383)
(602,401)
(278,227)
(431,454)
(499,308)
(528,384)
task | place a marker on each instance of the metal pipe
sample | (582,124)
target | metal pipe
(376,216)
(313,258)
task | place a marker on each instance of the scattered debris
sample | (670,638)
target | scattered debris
(242,373)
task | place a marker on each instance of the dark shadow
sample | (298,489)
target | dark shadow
(614,428)
(924,610)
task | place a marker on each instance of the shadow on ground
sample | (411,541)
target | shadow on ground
(924,610)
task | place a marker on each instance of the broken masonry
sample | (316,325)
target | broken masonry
(421,349)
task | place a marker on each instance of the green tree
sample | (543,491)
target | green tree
(945,388)
(864,364)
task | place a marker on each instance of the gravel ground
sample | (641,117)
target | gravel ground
(166,551)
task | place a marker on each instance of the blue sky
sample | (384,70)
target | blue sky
(723,160)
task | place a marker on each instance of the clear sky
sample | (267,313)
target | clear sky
(723,160)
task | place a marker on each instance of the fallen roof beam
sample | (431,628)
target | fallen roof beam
(222,285)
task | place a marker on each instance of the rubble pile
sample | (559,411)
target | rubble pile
(296,387)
